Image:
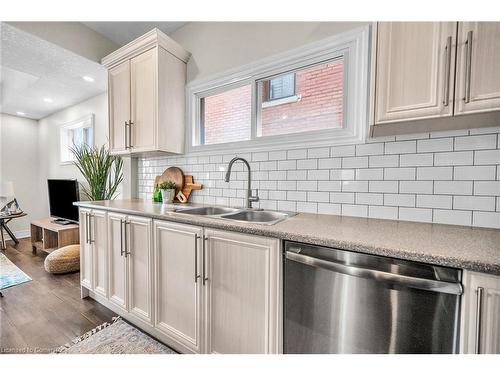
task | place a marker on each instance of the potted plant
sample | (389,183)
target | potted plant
(167,189)
(101,170)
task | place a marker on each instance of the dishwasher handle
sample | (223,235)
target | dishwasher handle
(408,281)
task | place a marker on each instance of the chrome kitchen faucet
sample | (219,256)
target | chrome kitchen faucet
(250,198)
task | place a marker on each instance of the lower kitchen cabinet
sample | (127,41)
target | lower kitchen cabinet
(242,293)
(130,265)
(93,253)
(177,257)
(199,290)
(481,314)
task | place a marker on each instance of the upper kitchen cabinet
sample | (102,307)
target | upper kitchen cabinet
(478,72)
(426,74)
(415,63)
(146,80)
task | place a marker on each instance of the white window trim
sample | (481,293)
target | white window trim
(352,45)
(286,100)
(83,122)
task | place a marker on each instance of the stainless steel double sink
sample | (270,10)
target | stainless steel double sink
(247,215)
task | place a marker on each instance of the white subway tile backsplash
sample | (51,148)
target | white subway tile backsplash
(486,219)
(487,157)
(403,200)
(476,142)
(329,163)
(361,186)
(402,147)
(369,174)
(435,145)
(454,217)
(370,198)
(435,173)
(383,186)
(354,210)
(484,172)
(416,160)
(453,187)
(448,177)
(416,187)
(342,197)
(415,214)
(383,161)
(399,173)
(474,203)
(487,188)
(297,154)
(318,153)
(454,158)
(434,201)
(329,208)
(355,162)
(337,151)
(370,149)
(381,212)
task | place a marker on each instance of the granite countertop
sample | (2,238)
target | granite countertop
(476,249)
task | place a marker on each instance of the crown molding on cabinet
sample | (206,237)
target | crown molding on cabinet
(143,43)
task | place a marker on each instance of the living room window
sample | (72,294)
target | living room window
(315,94)
(75,133)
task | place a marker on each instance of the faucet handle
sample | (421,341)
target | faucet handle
(252,197)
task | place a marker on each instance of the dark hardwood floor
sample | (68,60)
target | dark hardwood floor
(40,315)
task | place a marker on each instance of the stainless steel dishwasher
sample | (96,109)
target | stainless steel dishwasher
(339,301)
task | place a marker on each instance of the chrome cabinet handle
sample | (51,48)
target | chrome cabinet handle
(125,134)
(127,232)
(408,281)
(121,237)
(468,66)
(205,278)
(447,63)
(130,123)
(91,233)
(479,308)
(86,227)
(196,276)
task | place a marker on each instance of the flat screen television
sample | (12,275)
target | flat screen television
(62,194)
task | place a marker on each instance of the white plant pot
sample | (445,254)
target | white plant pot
(167,195)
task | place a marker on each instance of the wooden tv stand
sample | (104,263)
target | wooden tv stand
(48,236)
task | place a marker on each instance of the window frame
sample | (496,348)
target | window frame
(86,122)
(353,46)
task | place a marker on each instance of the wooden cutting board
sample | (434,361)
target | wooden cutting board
(173,174)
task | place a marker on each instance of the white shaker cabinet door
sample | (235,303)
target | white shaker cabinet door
(139,254)
(144,108)
(481,314)
(86,267)
(241,277)
(117,264)
(99,241)
(478,67)
(119,107)
(415,70)
(178,282)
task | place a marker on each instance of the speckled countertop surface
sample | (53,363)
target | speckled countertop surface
(470,248)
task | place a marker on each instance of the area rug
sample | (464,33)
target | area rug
(117,337)
(10,274)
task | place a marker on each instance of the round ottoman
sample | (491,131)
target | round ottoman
(63,260)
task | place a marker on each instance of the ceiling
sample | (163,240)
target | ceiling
(39,78)
(123,32)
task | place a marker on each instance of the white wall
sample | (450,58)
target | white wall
(19,163)
(219,46)
(48,138)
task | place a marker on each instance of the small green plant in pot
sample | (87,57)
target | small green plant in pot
(101,170)
(167,189)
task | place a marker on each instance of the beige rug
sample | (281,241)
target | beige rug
(118,337)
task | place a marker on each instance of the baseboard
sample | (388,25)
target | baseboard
(21,233)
